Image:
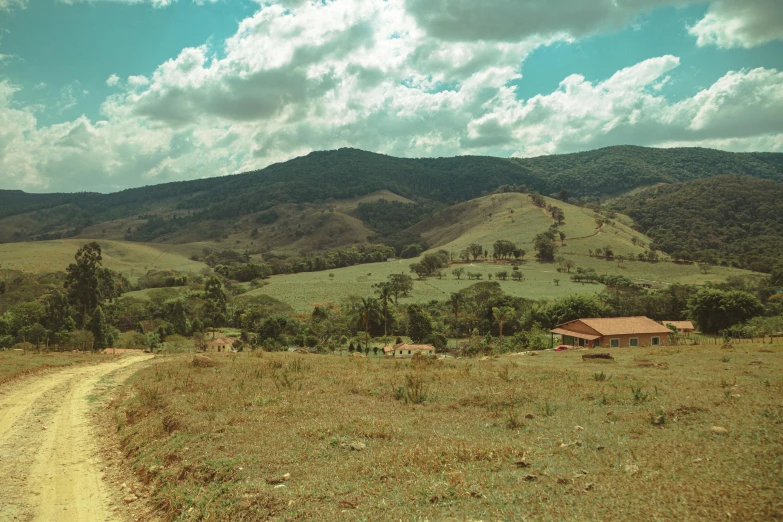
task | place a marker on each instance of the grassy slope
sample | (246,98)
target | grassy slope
(592,450)
(470,222)
(132,259)
(304,290)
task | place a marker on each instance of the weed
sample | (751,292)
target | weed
(414,390)
(639,395)
(600,376)
(547,409)
(725,359)
(297,366)
(766,383)
(513,422)
(658,419)
(504,374)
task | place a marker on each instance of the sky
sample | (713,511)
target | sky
(103,95)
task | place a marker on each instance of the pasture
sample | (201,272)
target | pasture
(674,433)
(304,290)
(131,259)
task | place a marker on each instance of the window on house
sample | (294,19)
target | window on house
(655,341)
(614,343)
(633,341)
(409,352)
(597,343)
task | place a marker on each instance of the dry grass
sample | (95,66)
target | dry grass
(520,437)
(13,364)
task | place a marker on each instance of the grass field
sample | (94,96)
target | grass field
(14,364)
(132,259)
(306,289)
(680,433)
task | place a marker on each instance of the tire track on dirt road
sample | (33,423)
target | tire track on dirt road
(49,461)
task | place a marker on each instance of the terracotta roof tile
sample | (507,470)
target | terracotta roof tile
(681,325)
(621,325)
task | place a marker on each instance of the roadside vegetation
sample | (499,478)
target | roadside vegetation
(15,364)
(679,433)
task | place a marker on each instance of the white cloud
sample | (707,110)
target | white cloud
(514,20)
(7,5)
(155,3)
(363,73)
(113,80)
(740,23)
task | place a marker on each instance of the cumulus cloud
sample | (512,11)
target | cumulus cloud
(113,80)
(364,73)
(7,5)
(514,20)
(740,23)
(155,3)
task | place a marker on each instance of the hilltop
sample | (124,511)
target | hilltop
(206,209)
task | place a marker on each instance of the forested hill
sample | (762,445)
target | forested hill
(345,173)
(722,219)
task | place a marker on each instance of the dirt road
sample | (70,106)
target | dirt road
(49,463)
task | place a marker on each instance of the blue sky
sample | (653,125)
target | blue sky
(108,94)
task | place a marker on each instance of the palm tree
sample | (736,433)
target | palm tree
(384,295)
(456,300)
(501,315)
(369,310)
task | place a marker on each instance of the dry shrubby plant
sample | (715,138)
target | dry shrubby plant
(513,438)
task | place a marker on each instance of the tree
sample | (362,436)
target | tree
(705,268)
(458,272)
(215,302)
(420,269)
(476,251)
(502,275)
(517,276)
(457,301)
(82,340)
(545,248)
(369,310)
(419,323)
(384,295)
(562,237)
(82,282)
(564,195)
(57,312)
(101,332)
(569,308)
(401,284)
(715,310)
(501,315)
(35,334)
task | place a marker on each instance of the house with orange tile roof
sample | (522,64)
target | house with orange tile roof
(613,332)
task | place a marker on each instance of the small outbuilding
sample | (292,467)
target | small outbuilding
(684,327)
(406,351)
(221,344)
(613,332)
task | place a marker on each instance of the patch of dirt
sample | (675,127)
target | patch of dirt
(49,461)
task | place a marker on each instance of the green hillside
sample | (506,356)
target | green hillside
(727,219)
(512,217)
(207,209)
(131,259)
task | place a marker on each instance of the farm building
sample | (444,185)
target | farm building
(613,332)
(684,327)
(405,351)
(221,344)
